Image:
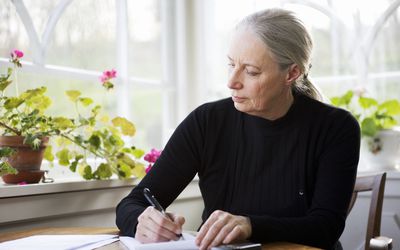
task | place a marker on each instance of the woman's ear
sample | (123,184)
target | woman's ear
(292,74)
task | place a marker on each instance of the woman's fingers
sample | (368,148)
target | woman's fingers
(154,226)
(177,219)
(206,226)
(223,228)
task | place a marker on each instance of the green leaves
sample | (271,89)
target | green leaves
(73,95)
(372,115)
(6,152)
(343,100)
(48,153)
(103,171)
(74,164)
(367,103)
(368,127)
(13,102)
(62,123)
(63,157)
(88,135)
(127,127)
(5,80)
(95,141)
(391,107)
(6,168)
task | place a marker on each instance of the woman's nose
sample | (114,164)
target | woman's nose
(234,81)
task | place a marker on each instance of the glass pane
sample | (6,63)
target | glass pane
(56,87)
(12,31)
(146,108)
(85,36)
(40,12)
(339,29)
(144,26)
(385,54)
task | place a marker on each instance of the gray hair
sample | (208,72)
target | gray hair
(288,40)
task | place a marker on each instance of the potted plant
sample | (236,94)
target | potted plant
(380,145)
(26,129)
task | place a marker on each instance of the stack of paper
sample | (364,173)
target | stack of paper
(59,242)
(186,244)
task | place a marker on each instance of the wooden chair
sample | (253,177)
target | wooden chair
(376,184)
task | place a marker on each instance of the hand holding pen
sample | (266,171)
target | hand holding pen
(155,225)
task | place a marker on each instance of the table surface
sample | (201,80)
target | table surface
(118,245)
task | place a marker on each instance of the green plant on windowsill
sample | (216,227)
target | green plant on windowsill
(88,135)
(372,115)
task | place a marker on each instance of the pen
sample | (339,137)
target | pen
(153,201)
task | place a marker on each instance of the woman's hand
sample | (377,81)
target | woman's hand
(153,226)
(223,228)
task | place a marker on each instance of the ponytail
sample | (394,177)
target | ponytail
(304,86)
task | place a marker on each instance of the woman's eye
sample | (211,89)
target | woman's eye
(231,65)
(252,73)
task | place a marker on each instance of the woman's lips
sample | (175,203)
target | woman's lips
(238,99)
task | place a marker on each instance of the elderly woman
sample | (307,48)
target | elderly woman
(275,163)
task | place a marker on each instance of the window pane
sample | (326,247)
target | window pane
(144,38)
(12,31)
(146,108)
(85,36)
(385,54)
(340,30)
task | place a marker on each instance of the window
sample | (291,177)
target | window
(355,43)
(68,43)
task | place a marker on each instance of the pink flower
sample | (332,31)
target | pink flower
(152,156)
(360,91)
(111,73)
(15,56)
(148,168)
(103,78)
(18,53)
(22,183)
(106,77)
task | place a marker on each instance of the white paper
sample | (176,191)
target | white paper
(59,242)
(186,244)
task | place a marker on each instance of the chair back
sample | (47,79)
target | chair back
(376,184)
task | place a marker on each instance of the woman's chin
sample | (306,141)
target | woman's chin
(240,107)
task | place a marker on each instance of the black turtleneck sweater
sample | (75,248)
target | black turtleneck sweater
(293,177)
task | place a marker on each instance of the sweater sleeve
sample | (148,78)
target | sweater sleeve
(335,175)
(172,172)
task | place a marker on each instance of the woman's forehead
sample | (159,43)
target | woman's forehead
(246,45)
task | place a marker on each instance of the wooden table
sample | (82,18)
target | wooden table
(118,245)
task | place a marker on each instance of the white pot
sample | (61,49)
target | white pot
(381,152)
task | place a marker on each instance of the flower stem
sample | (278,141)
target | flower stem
(9,128)
(16,81)
(82,146)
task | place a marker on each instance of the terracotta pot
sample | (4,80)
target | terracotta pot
(26,159)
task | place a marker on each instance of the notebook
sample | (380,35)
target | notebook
(186,244)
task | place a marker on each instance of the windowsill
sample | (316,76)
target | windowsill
(63,185)
(391,173)
(60,186)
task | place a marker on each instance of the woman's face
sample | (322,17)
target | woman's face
(258,86)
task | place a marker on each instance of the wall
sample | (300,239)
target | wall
(80,204)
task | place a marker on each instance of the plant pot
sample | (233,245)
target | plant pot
(26,160)
(381,152)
